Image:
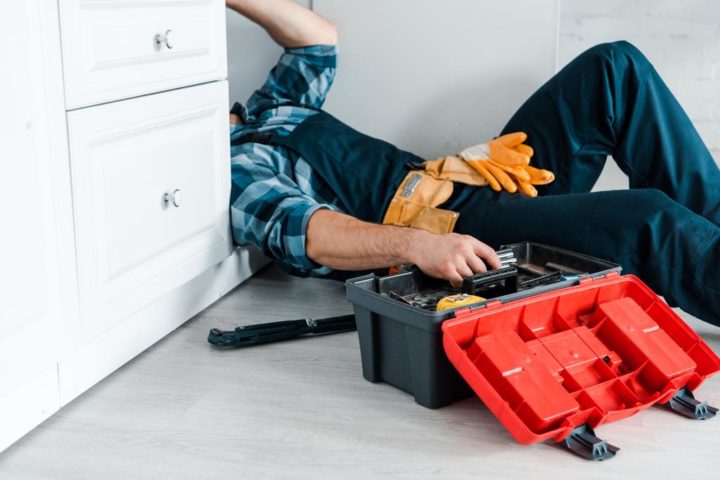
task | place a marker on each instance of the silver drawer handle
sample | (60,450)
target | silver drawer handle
(167,39)
(174,198)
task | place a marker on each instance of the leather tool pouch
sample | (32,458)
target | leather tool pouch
(414,204)
(455,169)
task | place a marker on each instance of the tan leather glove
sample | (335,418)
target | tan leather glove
(504,163)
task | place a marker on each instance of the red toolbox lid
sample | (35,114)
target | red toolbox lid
(584,355)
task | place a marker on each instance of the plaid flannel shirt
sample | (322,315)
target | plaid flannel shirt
(274,191)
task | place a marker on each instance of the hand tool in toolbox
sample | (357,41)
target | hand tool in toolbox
(510,278)
(559,345)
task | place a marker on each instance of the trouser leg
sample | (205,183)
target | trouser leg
(675,251)
(611,101)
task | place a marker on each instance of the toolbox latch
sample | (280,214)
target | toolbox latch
(586,280)
(493,303)
(462,312)
(685,404)
(583,442)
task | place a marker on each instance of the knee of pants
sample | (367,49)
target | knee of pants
(619,53)
(651,199)
(634,210)
(656,238)
(639,206)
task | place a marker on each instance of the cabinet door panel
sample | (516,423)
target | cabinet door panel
(37,280)
(110,50)
(133,245)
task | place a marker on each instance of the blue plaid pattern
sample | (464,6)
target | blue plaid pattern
(274,191)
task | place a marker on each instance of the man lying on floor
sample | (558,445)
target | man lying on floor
(312,192)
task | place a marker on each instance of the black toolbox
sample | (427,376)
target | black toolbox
(402,344)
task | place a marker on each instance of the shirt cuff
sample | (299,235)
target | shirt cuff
(296,258)
(315,50)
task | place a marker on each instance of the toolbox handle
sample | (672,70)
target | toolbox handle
(472,284)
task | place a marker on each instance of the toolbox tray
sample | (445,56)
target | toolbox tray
(402,344)
(585,355)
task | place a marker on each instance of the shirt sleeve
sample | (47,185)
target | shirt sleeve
(270,211)
(303,75)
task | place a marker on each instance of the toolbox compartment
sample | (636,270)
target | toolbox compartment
(402,345)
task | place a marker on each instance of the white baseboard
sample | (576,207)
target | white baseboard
(106,353)
(27,406)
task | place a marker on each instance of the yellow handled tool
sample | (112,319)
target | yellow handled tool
(458,300)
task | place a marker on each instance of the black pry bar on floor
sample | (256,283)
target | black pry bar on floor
(684,403)
(583,442)
(262,333)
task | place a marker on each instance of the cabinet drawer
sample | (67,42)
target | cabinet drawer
(115,49)
(151,186)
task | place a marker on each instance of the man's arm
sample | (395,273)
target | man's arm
(343,242)
(289,24)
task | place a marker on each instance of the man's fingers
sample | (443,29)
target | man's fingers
(464,270)
(455,279)
(476,264)
(486,253)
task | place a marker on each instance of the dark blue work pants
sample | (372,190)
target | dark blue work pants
(665,229)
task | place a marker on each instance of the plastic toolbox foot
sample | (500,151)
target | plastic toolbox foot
(685,404)
(583,442)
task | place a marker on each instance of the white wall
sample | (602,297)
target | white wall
(680,37)
(251,55)
(434,77)
(430,77)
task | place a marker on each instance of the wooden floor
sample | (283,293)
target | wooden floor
(301,409)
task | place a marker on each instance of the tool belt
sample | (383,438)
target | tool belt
(425,187)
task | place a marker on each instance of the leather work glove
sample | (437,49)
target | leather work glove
(504,163)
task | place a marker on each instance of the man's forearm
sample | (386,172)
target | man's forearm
(342,242)
(289,24)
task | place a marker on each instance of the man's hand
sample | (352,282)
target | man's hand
(342,242)
(452,256)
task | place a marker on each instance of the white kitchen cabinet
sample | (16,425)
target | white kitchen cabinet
(151,183)
(37,280)
(114,190)
(115,49)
